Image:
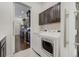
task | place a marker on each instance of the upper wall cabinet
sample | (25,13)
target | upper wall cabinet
(51,15)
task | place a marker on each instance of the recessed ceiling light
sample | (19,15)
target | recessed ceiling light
(20,16)
(22,12)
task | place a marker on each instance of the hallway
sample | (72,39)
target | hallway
(20,44)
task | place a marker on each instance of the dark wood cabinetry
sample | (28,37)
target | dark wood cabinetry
(3,47)
(41,17)
(51,15)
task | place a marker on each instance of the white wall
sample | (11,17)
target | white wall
(70,49)
(6,24)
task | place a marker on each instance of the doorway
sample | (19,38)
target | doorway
(22,26)
(77,28)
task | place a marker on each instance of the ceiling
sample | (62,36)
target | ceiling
(20,10)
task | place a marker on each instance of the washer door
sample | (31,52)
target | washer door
(47,46)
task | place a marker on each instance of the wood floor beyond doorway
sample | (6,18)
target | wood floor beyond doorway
(20,44)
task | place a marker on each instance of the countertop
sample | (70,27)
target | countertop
(2,35)
(49,34)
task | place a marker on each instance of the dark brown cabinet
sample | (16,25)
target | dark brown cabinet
(3,47)
(50,15)
(41,17)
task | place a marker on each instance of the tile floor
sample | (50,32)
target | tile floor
(26,53)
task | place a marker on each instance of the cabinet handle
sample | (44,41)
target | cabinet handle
(13,28)
(65,27)
(76,12)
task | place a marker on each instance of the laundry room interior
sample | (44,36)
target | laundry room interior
(39,29)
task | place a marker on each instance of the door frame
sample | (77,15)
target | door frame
(14,24)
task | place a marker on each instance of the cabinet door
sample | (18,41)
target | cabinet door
(49,11)
(51,15)
(3,50)
(45,17)
(59,10)
(57,13)
(41,19)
